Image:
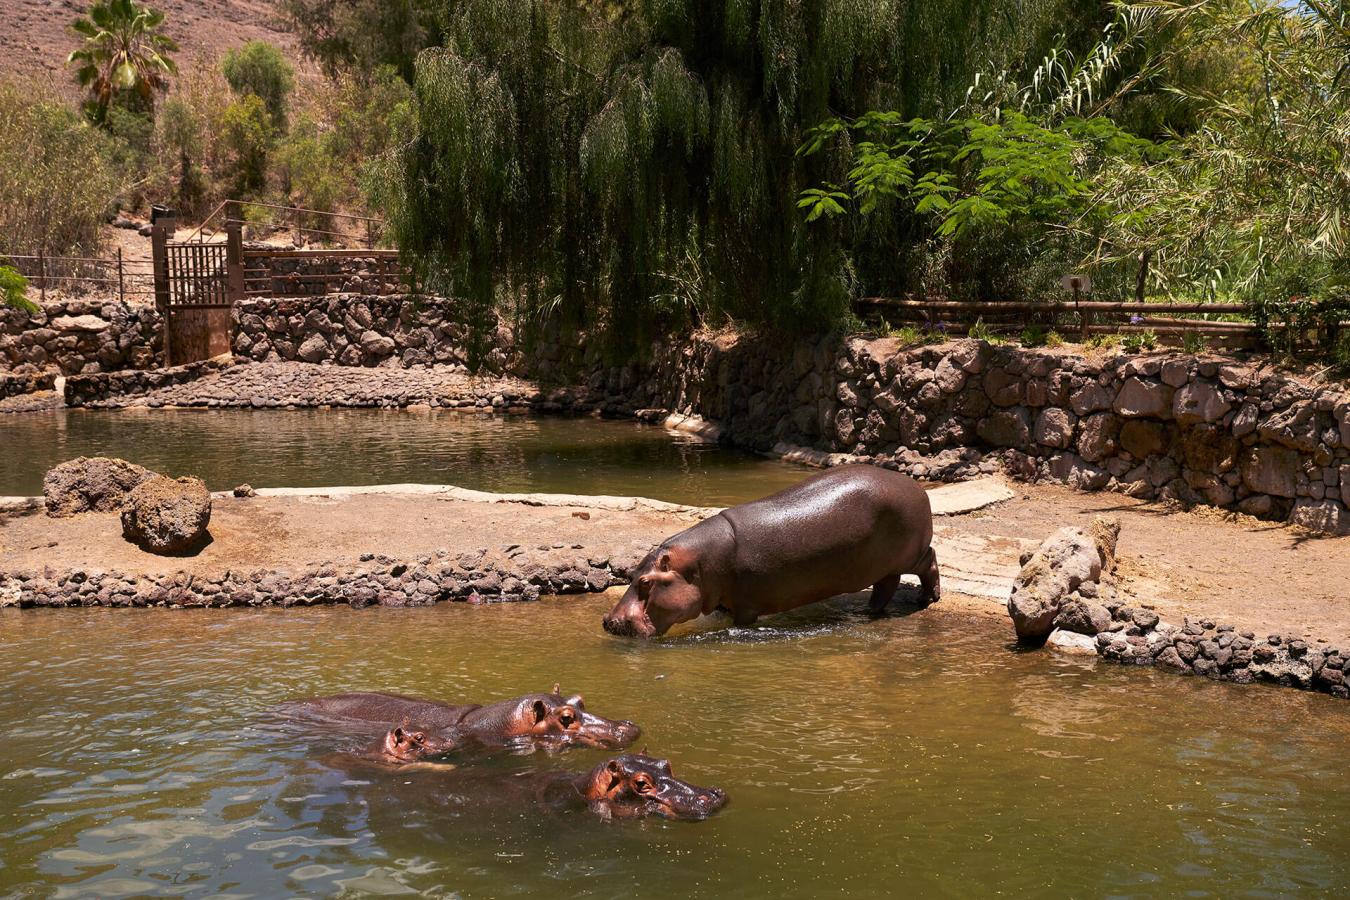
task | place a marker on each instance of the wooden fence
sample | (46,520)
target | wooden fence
(1082,318)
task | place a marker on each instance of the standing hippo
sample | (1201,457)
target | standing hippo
(835,533)
(524,724)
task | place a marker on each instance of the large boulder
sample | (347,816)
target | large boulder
(1067,559)
(90,484)
(166,515)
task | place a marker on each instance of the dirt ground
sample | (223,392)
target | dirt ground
(37,34)
(285,533)
(1204,563)
(1229,568)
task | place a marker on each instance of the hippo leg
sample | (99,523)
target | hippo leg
(882,592)
(928,577)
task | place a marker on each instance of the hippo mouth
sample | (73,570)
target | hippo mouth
(638,625)
(689,809)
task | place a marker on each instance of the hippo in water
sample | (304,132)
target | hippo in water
(629,786)
(835,533)
(405,745)
(524,724)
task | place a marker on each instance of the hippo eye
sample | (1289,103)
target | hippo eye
(642,785)
(419,738)
(567,719)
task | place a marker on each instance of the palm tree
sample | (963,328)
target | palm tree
(124,57)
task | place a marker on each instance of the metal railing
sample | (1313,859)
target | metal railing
(370,228)
(130,278)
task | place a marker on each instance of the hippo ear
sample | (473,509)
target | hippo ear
(663,564)
(540,711)
(557,688)
(399,735)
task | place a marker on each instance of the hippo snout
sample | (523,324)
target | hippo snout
(627,626)
(626,732)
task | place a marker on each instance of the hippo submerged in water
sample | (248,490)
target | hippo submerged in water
(629,786)
(547,721)
(835,533)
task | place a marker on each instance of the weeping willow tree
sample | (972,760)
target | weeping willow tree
(638,171)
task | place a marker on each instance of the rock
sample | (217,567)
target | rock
(1325,516)
(1176,372)
(1270,470)
(1199,401)
(1071,643)
(85,323)
(1054,428)
(165,515)
(1139,399)
(376,344)
(1002,388)
(1006,428)
(1142,439)
(245,490)
(949,375)
(1097,436)
(314,349)
(1064,560)
(1083,617)
(90,484)
(970,356)
(1090,398)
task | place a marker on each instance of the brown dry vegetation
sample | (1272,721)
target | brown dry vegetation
(37,35)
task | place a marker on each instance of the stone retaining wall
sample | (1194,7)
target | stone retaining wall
(1162,426)
(285,275)
(114,388)
(364,330)
(480,576)
(13,385)
(81,336)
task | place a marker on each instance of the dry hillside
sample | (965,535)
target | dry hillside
(37,36)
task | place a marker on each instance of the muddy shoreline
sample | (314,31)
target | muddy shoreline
(1186,604)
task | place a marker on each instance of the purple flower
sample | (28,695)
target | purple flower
(1136,319)
(942,326)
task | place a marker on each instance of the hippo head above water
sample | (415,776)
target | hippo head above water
(408,744)
(663,592)
(636,785)
(547,722)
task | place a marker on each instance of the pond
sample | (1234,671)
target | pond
(322,448)
(914,755)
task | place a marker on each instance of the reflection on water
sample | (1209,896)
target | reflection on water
(319,448)
(914,753)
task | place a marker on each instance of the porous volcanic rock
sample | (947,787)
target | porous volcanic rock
(90,484)
(1066,560)
(167,515)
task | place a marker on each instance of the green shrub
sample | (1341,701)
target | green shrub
(982,332)
(260,69)
(57,178)
(1193,342)
(1032,336)
(14,290)
(247,135)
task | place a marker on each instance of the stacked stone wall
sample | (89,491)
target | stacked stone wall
(81,336)
(1162,426)
(399,330)
(285,275)
(12,385)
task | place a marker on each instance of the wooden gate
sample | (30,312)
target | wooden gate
(196,283)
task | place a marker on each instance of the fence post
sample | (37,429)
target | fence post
(42,275)
(234,261)
(162,227)
(121,289)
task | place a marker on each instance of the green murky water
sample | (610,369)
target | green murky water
(320,448)
(914,756)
